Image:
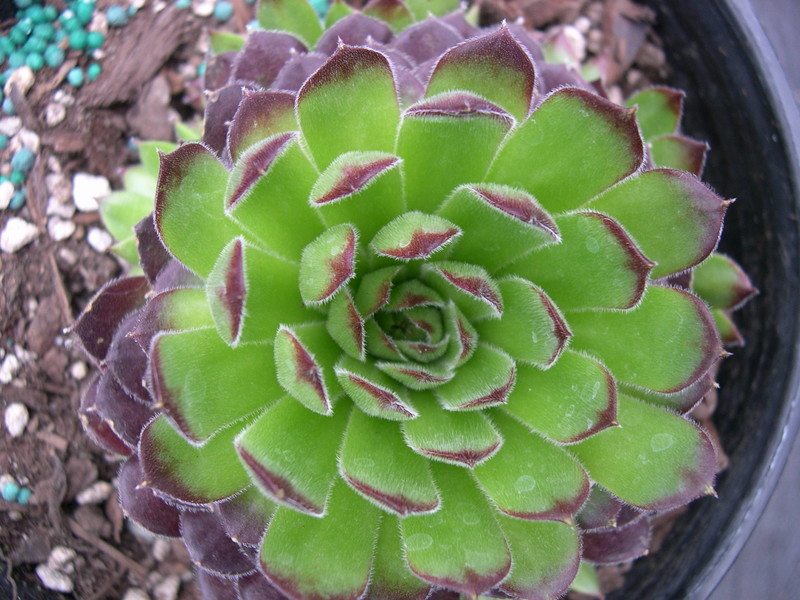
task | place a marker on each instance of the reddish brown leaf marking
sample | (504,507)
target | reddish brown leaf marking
(347,62)
(475,286)
(410,300)
(381,297)
(307,370)
(397,502)
(473,584)
(383,398)
(562,509)
(468,456)
(278,486)
(423,324)
(355,177)
(560,329)
(519,208)
(292,589)
(232,295)
(467,340)
(258,163)
(258,112)
(499,395)
(459,105)
(175,167)
(605,418)
(162,394)
(420,375)
(422,244)
(553,586)
(341,266)
(694,152)
(355,324)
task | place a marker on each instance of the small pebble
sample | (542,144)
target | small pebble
(29,139)
(78,370)
(75,77)
(53,580)
(88,189)
(54,113)
(62,559)
(10,491)
(204,8)
(96,493)
(183,4)
(23,160)
(10,126)
(53,56)
(135,594)
(18,201)
(161,549)
(6,194)
(58,186)
(24,495)
(60,229)
(94,40)
(78,39)
(117,16)
(167,589)
(223,10)
(99,239)
(93,71)
(17,234)
(16,418)
(22,78)
(9,368)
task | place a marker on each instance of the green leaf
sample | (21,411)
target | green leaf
(683,217)
(722,283)
(422,8)
(597,264)
(195,375)
(149,155)
(225,41)
(267,195)
(531,328)
(174,310)
(260,115)
(361,188)
(586,581)
(327,264)
(573,399)
(372,391)
(394,13)
(374,290)
(546,556)
(412,293)
(601,511)
(307,557)
(376,463)
(679,152)
(414,235)
(189,213)
(416,376)
(484,380)
(462,334)
(491,216)
(345,325)
(470,287)
(461,546)
(446,141)
(665,344)
(242,283)
(570,125)
(190,473)
(682,401)
(493,66)
(379,344)
(127,251)
(728,332)
(458,438)
(659,110)
(122,210)
(391,578)
(531,478)
(294,16)
(290,452)
(337,10)
(354,91)
(670,460)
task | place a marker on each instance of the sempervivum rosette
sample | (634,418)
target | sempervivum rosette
(410,320)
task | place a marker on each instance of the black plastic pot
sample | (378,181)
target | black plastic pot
(738,101)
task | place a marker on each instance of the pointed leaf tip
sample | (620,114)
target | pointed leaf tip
(299,373)
(327,264)
(414,235)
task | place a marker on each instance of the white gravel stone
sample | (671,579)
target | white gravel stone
(137,4)
(6,193)
(54,580)
(60,229)
(9,368)
(62,559)
(96,493)
(99,239)
(59,187)
(161,549)
(57,208)
(88,189)
(78,370)
(167,589)
(583,24)
(29,139)
(10,126)
(17,234)
(204,8)
(16,418)
(54,113)
(63,97)
(22,77)
(136,594)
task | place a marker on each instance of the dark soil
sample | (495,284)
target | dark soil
(148,75)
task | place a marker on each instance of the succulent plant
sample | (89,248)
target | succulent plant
(414,316)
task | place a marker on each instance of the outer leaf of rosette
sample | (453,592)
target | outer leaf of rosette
(391,578)
(327,264)
(394,13)
(682,401)
(728,332)
(306,557)
(345,325)
(174,310)
(675,460)
(531,328)
(597,264)
(337,10)
(448,140)
(267,194)
(251,293)
(421,9)
(295,16)
(189,213)
(461,546)
(290,454)
(304,358)
(245,516)
(468,285)
(679,152)
(570,125)
(683,217)
(546,558)
(122,210)
(195,377)
(721,282)
(659,110)
(372,391)
(376,462)
(530,477)
(665,344)
(494,66)
(260,115)
(355,93)
(414,236)
(484,380)
(459,438)
(362,188)
(500,224)
(573,399)
(189,473)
